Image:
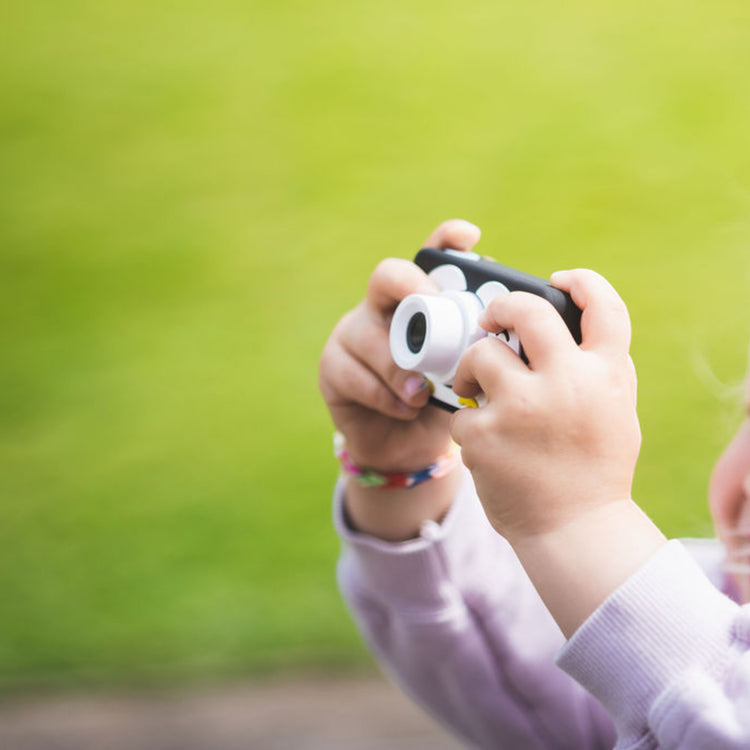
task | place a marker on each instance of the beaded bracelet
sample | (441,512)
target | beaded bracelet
(370,478)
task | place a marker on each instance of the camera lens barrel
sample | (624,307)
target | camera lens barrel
(416,331)
(430,332)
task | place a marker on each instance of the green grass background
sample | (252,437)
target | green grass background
(192,193)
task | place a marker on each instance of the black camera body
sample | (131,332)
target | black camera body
(429,333)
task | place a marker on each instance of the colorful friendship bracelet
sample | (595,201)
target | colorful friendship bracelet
(369,478)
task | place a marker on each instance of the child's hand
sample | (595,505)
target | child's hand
(559,436)
(375,404)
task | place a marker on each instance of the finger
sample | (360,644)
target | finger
(488,367)
(392,280)
(539,327)
(457,234)
(466,423)
(345,380)
(368,341)
(605,323)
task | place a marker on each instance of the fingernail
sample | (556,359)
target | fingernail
(413,385)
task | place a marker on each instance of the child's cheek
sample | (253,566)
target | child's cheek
(730,481)
(721,489)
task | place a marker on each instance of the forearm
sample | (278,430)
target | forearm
(450,615)
(578,565)
(397,515)
(667,655)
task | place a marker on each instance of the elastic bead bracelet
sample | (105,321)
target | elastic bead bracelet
(369,478)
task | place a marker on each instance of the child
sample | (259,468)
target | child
(468,606)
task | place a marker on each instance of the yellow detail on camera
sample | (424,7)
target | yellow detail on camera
(470,403)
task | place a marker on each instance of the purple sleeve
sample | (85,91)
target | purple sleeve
(453,619)
(669,655)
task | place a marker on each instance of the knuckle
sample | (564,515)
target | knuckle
(324,363)
(470,360)
(537,309)
(394,278)
(590,279)
(348,323)
(383,274)
(535,318)
(374,395)
(497,305)
(468,457)
(381,400)
(596,282)
(521,409)
(394,270)
(442,228)
(460,429)
(520,306)
(482,351)
(473,431)
(589,275)
(347,371)
(614,301)
(327,366)
(385,267)
(455,232)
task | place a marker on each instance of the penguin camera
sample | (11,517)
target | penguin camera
(430,332)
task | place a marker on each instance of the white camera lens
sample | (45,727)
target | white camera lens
(429,333)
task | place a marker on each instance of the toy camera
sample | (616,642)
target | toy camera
(430,332)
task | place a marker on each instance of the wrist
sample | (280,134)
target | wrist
(401,467)
(393,506)
(398,515)
(576,565)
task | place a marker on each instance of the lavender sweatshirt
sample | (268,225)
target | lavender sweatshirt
(453,619)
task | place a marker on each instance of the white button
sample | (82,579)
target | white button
(491,289)
(464,254)
(449,277)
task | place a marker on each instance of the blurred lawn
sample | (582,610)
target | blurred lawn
(193,193)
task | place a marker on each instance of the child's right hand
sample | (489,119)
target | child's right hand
(374,403)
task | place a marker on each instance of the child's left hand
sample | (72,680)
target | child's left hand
(559,436)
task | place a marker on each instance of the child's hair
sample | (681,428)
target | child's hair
(725,393)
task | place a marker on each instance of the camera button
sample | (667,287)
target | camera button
(449,278)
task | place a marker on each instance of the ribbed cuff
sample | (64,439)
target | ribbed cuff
(667,618)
